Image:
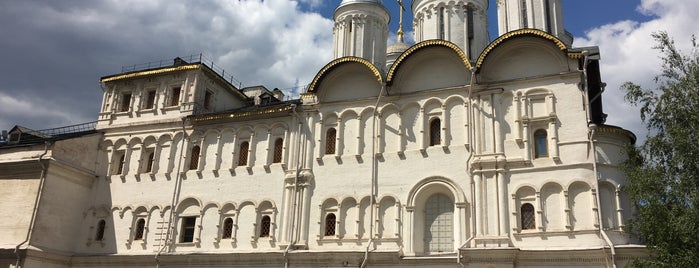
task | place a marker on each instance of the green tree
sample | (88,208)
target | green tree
(663,172)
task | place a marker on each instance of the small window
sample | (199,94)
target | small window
(540,144)
(208,99)
(174,96)
(278,148)
(125,102)
(140,229)
(150,157)
(150,100)
(227,228)
(99,235)
(243,153)
(527,214)
(330,137)
(119,162)
(441,22)
(187,229)
(194,158)
(330,224)
(265,225)
(525,23)
(435,132)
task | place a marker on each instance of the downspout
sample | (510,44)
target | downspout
(591,133)
(37,199)
(468,169)
(175,195)
(292,219)
(374,177)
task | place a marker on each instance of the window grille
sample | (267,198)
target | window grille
(174,96)
(439,224)
(278,147)
(527,215)
(243,154)
(194,160)
(125,102)
(140,229)
(525,23)
(330,224)
(150,100)
(435,132)
(99,235)
(265,225)
(227,228)
(330,138)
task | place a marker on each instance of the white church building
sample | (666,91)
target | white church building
(452,152)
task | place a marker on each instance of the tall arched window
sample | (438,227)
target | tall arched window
(439,224)
(121,163)
(243,153)
(265,226)
(194,158)
(541,144)
(435,132)
(525,23)
(547,13)
(149,161)
(278,147)
(471,34)
(527,217)
(330,224)
(441,23)
(227,228)
(140,229)
(99,235)
(330,137)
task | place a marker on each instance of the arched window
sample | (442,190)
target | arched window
(330,224)
(121,163)
(194,160)
(243,153)
(227,228)
(149,161)
(547,13)
(471,34)
(527,217)
(140,229)
(330,137)
(99,235)
(278,147)
(265,225)
(441,22)
(540,144)
(439,224)
(435,132)
(525,23)
(188,225)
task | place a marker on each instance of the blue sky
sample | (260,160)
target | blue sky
(56,51)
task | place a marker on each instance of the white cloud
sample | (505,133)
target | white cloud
(627,53)
(61,48)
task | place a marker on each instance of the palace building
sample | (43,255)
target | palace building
(451,152)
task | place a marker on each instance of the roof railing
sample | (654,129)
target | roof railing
(194,58)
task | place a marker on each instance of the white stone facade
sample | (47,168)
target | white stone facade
(445,159)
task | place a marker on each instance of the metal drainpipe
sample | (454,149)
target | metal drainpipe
(175,195)
(468,169)
(591,132)
(374,177)
(292,220)
(37,199)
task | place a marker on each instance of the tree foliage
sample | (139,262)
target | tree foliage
(663,172)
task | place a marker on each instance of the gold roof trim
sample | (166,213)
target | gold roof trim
(150,72)
(338,61)
(425,44)
(517,33)
(305,96)
(241,114)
